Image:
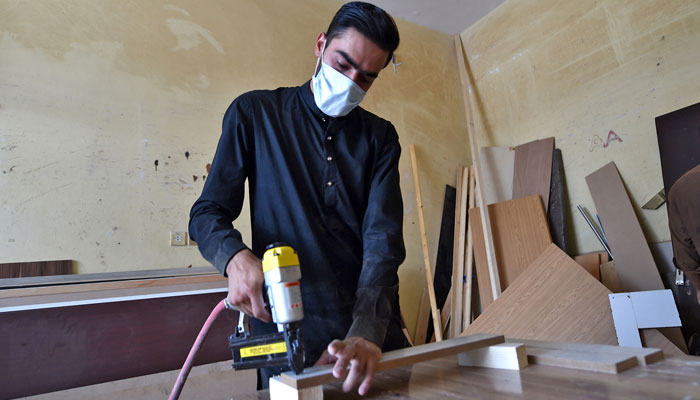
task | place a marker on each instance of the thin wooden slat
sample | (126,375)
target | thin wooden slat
(424,242)
(644,356)
(458,270)
(554,300)
(497,166)
(467,312)
(520,232)
(394,359)
(610,363)
(474,148)
(633,259)
(423,317)
(533,169)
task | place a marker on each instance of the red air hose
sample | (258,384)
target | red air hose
(175,393)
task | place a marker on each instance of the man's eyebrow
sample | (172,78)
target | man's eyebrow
(354,65)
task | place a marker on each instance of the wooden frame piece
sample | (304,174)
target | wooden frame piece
(467,309)
(644,355)
(394,359)
(424,241)
(611,363)
(474,147)
(458,255)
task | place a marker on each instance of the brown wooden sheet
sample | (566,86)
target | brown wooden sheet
(533,169)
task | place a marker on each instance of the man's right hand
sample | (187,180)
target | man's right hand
(245,285)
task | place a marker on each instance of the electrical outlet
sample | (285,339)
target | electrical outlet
(178,238)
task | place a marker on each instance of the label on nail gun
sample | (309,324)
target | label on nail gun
(265,349)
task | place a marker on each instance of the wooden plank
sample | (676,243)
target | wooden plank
(419,336)
(9,271)
(610,363)
(424,242)
(556,213)
(644,356)
(497,163)
(281,391)
(467,311)
(633,259)
(554,300)
(52,349)
(103,277)
(474,148)
(458,269)
(520,232)
(394,359)
(533,169)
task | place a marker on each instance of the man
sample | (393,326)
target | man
(323,177)
(684,223)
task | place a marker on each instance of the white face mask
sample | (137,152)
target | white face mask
(335,94)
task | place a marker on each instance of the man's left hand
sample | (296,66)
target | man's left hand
(362,356)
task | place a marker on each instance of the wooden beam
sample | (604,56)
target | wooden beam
(474,147)
(610,363)
(458,267)
(467,311)
(424,241)
(394,359)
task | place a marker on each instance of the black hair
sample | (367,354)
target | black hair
(371,21)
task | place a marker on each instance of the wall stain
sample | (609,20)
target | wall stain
(187,155)
(12,168)
(195,177)
(156,164)
(208,167)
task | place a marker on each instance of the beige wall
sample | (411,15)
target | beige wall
(93,92)
(579,69)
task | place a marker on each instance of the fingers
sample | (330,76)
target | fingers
(258,306)
(344,352)
(356,367)
(369,377)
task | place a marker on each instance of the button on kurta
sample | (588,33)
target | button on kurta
(329,183)
(329,158)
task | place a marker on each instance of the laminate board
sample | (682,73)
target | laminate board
(679,140)
(520,233)
(644,356)
(556,213)
(598,362)
(36,268)
(395,359)
(554,300)
(591,262)
(533,169)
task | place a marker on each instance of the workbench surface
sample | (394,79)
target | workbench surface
(677,378)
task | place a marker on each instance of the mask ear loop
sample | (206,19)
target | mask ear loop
(320,59)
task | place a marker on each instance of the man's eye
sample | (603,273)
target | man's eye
(342,66)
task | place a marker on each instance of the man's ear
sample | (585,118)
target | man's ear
(318,47)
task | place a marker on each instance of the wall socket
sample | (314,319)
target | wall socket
(178,238)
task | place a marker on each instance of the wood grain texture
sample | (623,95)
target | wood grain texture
(53,349)
(36,268)
(533,169)
(398,358)
(520,233)
(474,149)
(633,259)
(555,300)
(424,241)
(497,165)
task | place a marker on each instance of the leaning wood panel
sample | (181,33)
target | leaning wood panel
(556,300)
(533,169)
(397,358)
(53,349)
(633,259)
(520,233)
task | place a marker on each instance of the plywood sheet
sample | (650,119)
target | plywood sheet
(497,165)
(520,234)
(555,300)
(533,169)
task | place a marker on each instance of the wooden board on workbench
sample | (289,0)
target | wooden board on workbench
(633,259)
(520,234)
(556,300)
(533,169)
(320,375)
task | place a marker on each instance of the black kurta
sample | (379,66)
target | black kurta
(329,187)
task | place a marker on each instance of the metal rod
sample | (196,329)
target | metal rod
(602,231)
(590,223)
